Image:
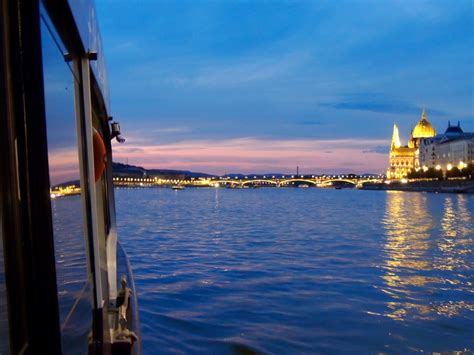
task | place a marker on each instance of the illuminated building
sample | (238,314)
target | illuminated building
(453,148)
(405,158)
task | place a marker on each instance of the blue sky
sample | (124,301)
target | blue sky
(200,76)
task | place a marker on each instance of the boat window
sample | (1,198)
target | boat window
(73,278)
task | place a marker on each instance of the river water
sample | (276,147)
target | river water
(300,270)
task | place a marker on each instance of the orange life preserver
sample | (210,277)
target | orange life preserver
(100,155)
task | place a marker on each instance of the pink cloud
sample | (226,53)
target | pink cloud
(253,155)
(244,155)
(63,165)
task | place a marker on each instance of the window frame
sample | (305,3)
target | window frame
(25,208)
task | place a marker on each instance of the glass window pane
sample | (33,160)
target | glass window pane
(73,280)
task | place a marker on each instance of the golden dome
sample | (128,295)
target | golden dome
(423,128)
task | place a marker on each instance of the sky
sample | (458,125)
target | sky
(265,86)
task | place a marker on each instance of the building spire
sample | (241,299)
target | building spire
(395,138)
(423,114)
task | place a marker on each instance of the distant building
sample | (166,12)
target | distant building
(405,158)
(453,148)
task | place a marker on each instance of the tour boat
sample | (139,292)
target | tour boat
(65,282)
(178,187)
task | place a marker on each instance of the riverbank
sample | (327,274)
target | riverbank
(445,186)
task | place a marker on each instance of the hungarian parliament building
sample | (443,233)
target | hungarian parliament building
(426,149)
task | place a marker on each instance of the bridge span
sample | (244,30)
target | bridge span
(286,182)
(240,182)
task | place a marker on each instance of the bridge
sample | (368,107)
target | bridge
(254,181)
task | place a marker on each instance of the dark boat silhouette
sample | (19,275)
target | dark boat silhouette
(65,282)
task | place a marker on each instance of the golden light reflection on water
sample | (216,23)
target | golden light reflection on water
(407,225)
(423,255)
(456,241)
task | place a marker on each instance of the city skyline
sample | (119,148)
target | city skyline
(264,86)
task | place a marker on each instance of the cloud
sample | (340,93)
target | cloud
(375,102)
(254,155)
(63,165)
(380,149)
(153,135)
(311,123)
(181,129)
(124,46)
(212,73)
(133,150)
(304,61)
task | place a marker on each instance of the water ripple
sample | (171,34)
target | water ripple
(290,271)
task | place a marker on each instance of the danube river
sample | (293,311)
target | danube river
(300,270)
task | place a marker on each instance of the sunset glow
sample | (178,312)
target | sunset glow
(252,155)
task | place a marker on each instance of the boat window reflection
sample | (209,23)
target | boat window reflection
(73,281)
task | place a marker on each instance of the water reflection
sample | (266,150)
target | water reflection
(73,283)
(407,225)
(455,242)
(426,272)
(286,271)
